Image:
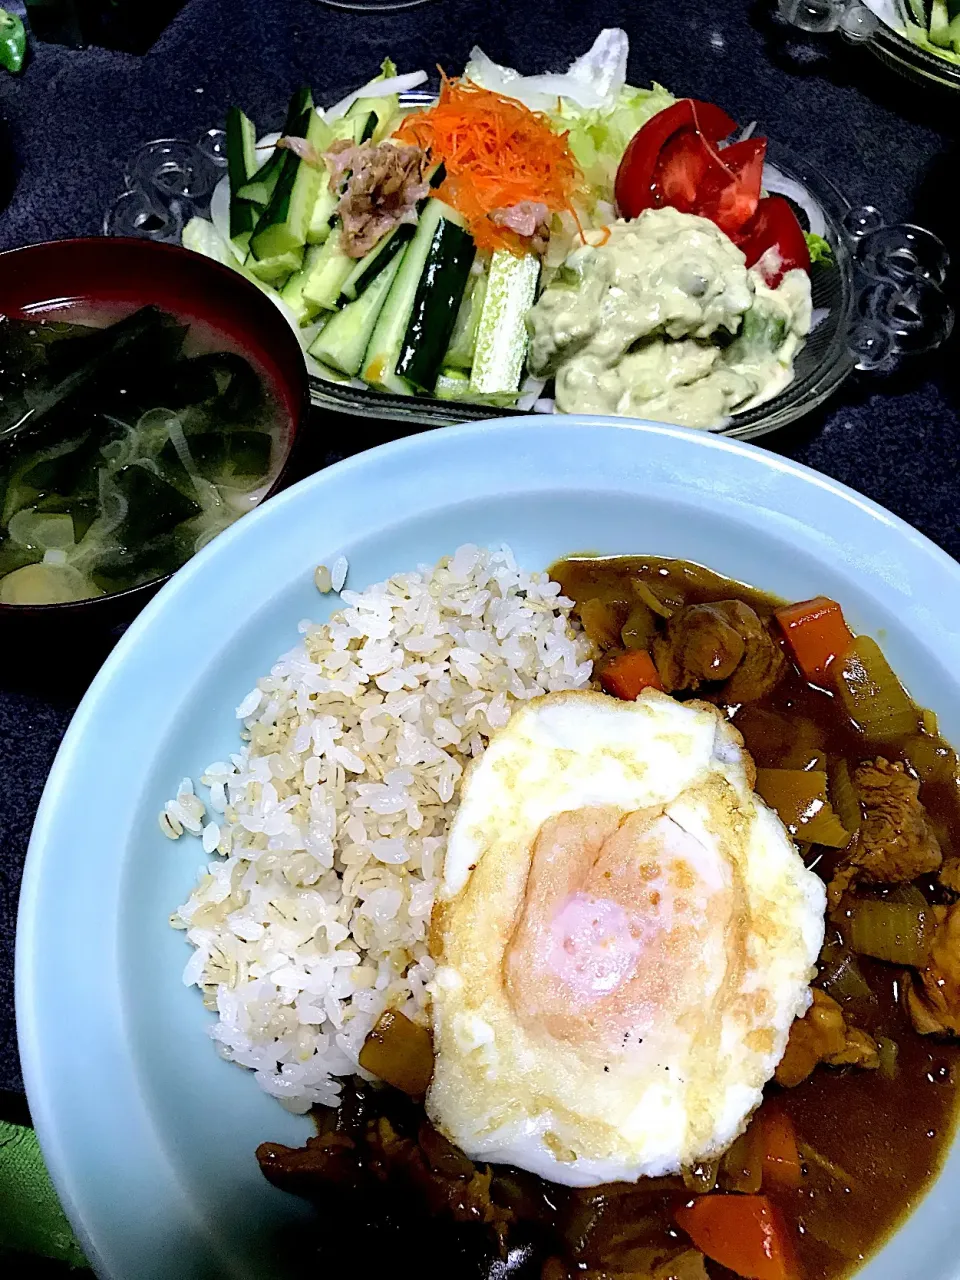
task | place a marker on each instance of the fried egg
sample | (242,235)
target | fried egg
(624,933)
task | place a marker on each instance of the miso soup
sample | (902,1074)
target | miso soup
(124,449)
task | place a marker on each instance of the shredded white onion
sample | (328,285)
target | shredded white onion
(375,89)
(220,214)
(530,391)
(266,147)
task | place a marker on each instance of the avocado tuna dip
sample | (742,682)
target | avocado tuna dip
(664,320)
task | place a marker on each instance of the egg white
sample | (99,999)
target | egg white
(535,1066)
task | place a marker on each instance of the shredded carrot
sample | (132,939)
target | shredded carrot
(497,153)
(606,236)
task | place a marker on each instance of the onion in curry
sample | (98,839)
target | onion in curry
(862,1110)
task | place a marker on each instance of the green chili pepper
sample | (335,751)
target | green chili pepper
(13,41)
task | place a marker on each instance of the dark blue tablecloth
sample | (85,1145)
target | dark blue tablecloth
(68,125)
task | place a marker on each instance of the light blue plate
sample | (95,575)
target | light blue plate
(150,1137)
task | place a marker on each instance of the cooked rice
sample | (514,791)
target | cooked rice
(330,821)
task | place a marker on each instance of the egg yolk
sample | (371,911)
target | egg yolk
(615,926)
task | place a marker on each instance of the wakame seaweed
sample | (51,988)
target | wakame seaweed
(122,452)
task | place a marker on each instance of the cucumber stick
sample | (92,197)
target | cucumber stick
(323,210)
(375,117)
(386,343)
(939,24)
(260,187)
(241,166)
(436,305)
(285,222)
(379,257)
(327,200)
(941,18)
(330,269)
(381,253)
(346,336)
(463,340)
(502,332)
(274,271)
(454,384)
(292,292)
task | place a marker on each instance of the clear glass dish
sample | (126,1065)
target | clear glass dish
(858,23)
(878,300)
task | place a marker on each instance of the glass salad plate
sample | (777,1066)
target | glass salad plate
(888,28)
(878,299)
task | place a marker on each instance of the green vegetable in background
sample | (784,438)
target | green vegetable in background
(820,250)
(13,41)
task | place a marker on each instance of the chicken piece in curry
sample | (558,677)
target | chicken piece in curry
(861,1111)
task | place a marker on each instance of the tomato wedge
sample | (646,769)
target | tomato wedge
(775,226)
(685,166)
(635,189)
(675,161)
(732,201)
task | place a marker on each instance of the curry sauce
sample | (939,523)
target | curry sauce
(885,1136)
(869,1137)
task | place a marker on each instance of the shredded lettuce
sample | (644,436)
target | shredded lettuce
(598,137)
(820,250)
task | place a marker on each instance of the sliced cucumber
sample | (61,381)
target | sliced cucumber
(372,263)
(329,271)
(284,223)
(241,166)
(454,384)
(323,212)
(321,220)
(374,117)
(437,302)
(463,340)
(292,292)
(201,236)
(938,26)
(346,336)
(380,256)
(380,361)
(260,187)
(502,332)
(274,271)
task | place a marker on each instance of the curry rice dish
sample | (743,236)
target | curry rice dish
(622,939)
